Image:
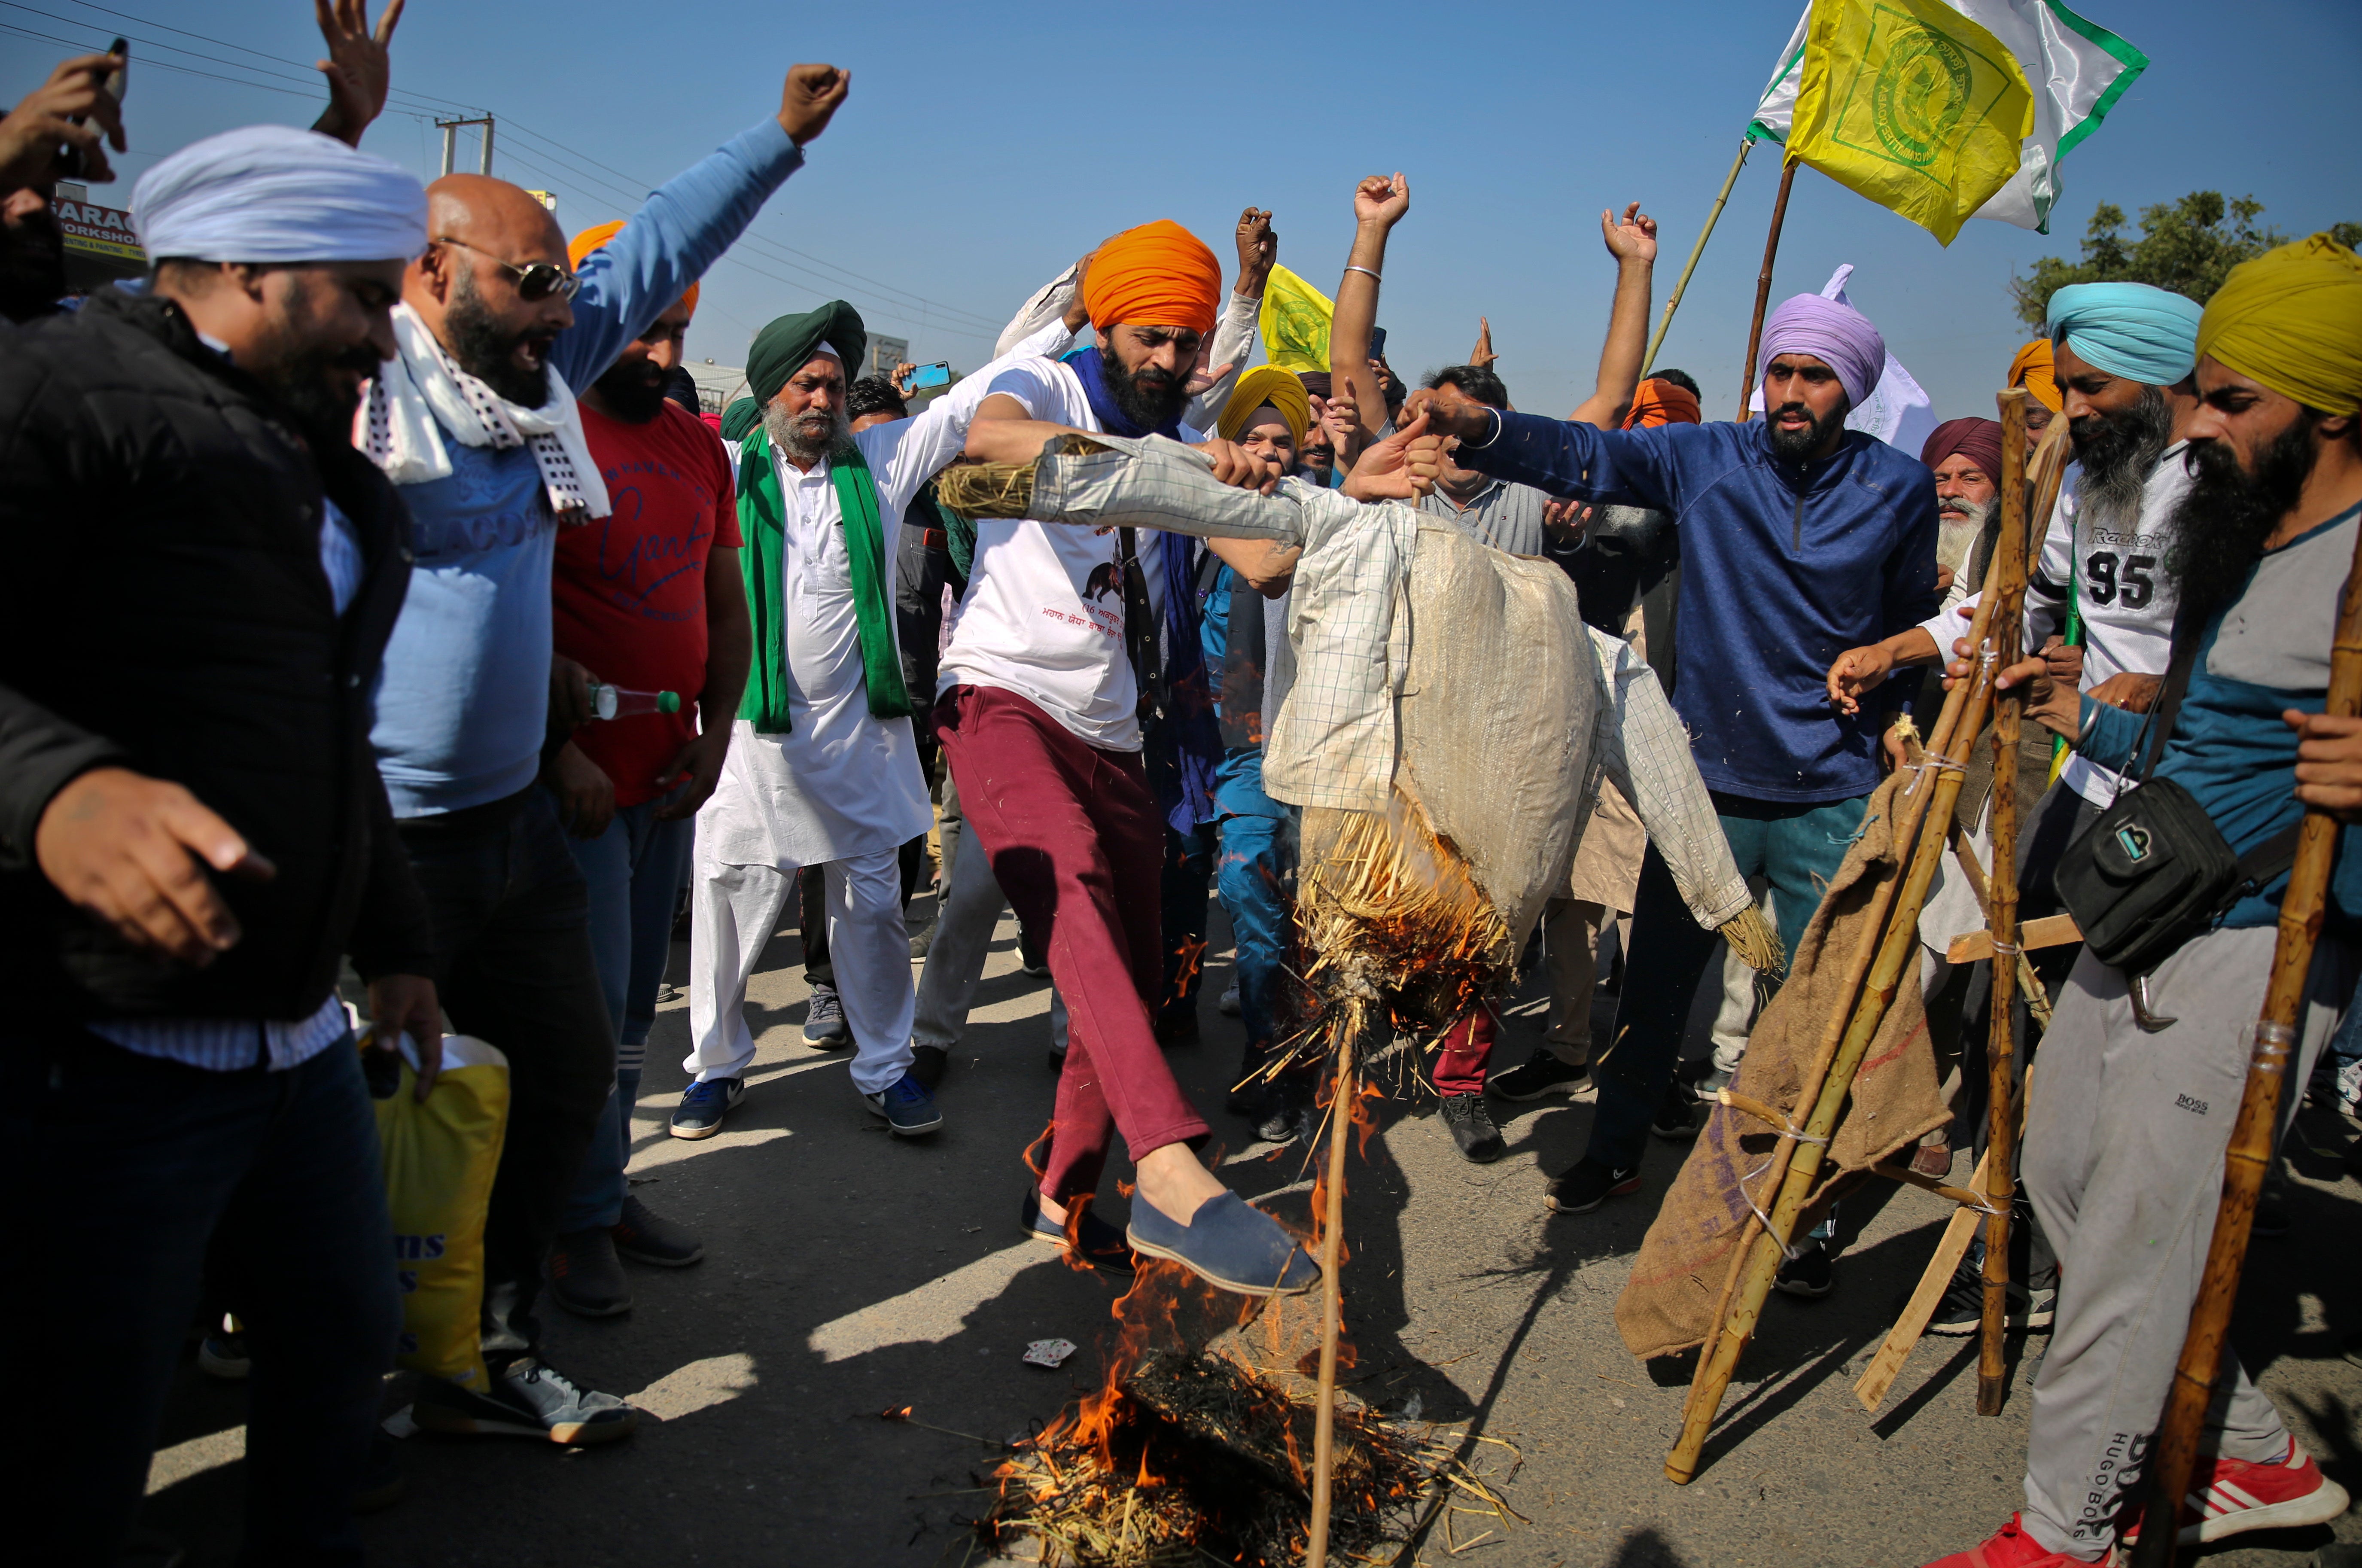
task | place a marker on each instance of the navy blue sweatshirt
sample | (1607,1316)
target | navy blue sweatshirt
(1783,567)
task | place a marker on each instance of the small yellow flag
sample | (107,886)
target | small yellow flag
(1912,104)
(1294,322)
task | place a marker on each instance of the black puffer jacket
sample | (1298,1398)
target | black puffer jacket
(167,613)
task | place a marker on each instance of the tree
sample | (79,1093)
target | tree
(2187,246)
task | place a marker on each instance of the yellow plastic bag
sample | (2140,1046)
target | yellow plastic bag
(439,1162)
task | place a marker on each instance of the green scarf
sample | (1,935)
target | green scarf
(762,514)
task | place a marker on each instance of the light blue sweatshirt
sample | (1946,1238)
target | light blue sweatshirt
(463,700)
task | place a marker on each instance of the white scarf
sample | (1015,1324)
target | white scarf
(421,394)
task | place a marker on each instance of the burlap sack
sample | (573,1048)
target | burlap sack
(1668,1304)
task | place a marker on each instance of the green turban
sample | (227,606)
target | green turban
(788,343)
(740,418)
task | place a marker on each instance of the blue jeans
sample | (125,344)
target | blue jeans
(128,1168)
(1796,849)
(634,873)
(1258,847)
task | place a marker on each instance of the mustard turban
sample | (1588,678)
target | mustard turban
(1268,384)
(579,247)
(2033,370)
(1156,275)
(2292,318)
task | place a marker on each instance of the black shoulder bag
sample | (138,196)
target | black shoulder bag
(2154,870)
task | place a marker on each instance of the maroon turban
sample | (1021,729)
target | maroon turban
(1979,440)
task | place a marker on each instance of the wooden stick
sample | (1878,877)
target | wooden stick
(1324,1428)
(2000,908)
(1968,1197)
(1747,376)
(2250,1151)
(2050,931)
(1673,300)
(1900,1340)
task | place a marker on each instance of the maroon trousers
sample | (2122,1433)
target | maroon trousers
(1467,1047)
(1075,838)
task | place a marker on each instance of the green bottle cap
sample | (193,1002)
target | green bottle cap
(667,701)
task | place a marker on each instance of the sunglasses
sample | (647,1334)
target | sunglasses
(536,281)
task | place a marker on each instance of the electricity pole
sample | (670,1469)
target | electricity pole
(450,129)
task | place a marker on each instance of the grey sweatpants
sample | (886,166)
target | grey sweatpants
(2124,1163)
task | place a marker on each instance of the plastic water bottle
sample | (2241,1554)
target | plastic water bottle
(623,703)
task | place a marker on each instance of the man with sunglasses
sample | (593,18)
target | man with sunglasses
(474,418)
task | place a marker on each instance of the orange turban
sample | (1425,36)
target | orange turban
(1661,402)
(2032,370)
(593,238)
(1156,275)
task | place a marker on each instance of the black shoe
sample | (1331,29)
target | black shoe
(1472,1128)
(922,939)
(649,1238)
(927,1065)
(1676,1119)
(1102,1245)
(526,1400)
(1030,959)
(2271,1221)
(1285,1117)
(584,1276)
(1588,1184)
(1177,1028)
(1541,1074)
(145,1548)
(1057,1059)
(1806,1274)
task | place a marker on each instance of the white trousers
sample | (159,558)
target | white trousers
(734,910)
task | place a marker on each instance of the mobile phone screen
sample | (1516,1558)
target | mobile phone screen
(935,375)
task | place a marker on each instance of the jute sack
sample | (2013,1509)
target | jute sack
(1668,1303)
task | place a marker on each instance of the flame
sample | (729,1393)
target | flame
(1191,953)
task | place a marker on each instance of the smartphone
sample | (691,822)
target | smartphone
(928,377)
(1377,343)
(70,162)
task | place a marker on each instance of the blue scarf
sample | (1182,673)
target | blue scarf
(1183,765)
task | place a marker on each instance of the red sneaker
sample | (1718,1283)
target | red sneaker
(2239,1495)
(2012,1548)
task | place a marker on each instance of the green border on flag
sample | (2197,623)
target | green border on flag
(1756,129)
(2133,61)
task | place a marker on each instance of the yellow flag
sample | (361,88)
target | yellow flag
(1294,322)
(1912,104)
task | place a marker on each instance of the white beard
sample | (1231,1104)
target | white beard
(1956,534)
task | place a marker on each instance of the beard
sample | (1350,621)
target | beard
(1959,524)
(2118,452)
(2220,525)
(299,376)
(805,437)
(633,393)
(485,349)
(32,265)
(1149,397)
(1800,446)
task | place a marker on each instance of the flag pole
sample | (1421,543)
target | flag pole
(1763,288)
(1673,300)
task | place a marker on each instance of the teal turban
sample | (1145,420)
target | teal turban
(788,343)
(2127,329)
(738,421)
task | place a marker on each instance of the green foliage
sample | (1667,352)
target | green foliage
(2187,246)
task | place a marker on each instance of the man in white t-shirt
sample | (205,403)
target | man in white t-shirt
(1051,671)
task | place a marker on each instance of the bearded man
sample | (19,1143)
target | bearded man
(2132,1103)
(474,417)
(1797,536)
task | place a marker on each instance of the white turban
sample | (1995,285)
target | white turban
(275,194)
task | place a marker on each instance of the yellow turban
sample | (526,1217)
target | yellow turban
(1156,275)
(593,238)
(2292,319)
(1266,385)
(2033,370)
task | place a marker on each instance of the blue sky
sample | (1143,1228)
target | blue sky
(984,147)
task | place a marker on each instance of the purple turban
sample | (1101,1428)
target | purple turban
(1837,335)
(1979,440)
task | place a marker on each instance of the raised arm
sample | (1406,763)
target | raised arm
(1633,244)
(1379,204)
(1233,343)
(359,67)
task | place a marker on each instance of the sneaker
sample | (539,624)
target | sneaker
(1229,1004)
(1472,1128)
(825,1024)
(1961,1312)
(1287,1112)
(1227,1243)
(1588,1184)
(1676,1120)
(928,1064)
(1715,1081)
(1057,1059)
(1541,1074)
(2011,1547)
(1101,1244)
(527,1399)
(703,1104)
(1030,959)
(922,939)
(585,1276)
(908,1109)
(222,1353)
(1807,1275)
(2241,1495)
(649,1238)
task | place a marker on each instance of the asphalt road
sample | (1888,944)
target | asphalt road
(847,1273)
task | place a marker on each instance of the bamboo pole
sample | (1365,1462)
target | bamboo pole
(1763,289)
(1673,300)
(2000,908)
(2244,1161)
(1324,1417)
(1904,1338)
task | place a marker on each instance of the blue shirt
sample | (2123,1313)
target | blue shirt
(463,700)
(1783,567)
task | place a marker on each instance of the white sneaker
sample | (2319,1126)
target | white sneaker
(1230,1003)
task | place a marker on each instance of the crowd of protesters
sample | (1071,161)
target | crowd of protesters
(344,694)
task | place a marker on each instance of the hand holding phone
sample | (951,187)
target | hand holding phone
(925,378)
(79,159)
(59,114)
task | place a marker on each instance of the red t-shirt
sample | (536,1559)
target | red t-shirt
(630,586)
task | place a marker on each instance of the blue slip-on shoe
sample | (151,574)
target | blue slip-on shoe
(908,1109)
(704,1104)
(825,1025)
(1102,1245)
(1227,1243)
